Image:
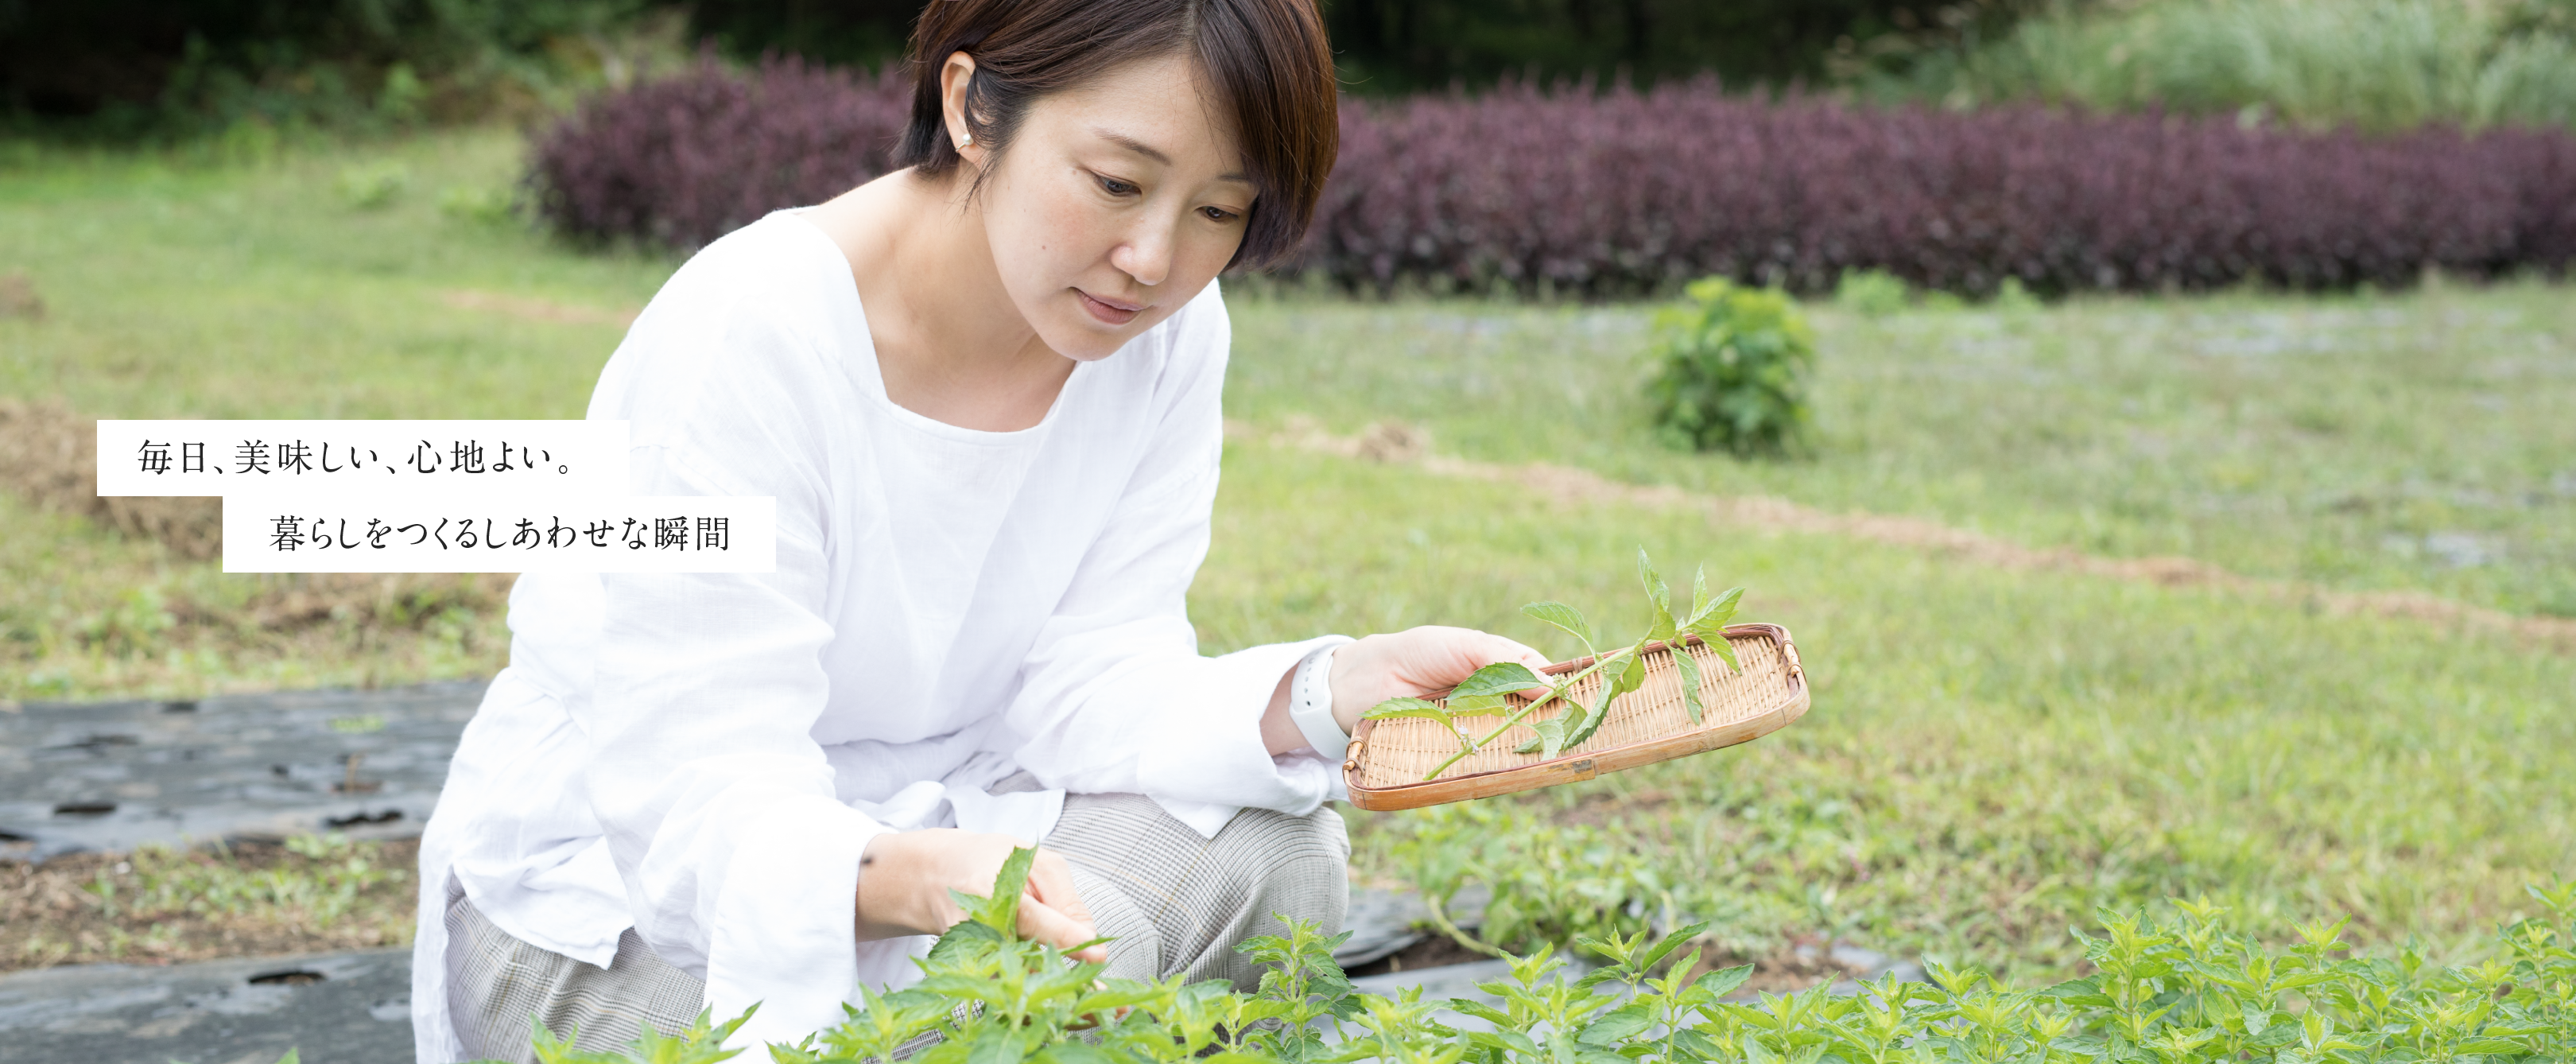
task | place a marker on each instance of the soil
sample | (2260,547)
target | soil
(1799,965)
(50,920)
(1434,951)
(50,455)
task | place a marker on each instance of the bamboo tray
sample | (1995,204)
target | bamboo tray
(1388,758)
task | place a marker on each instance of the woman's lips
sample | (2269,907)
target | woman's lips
(1107,312)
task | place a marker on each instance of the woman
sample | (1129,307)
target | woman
(984,391)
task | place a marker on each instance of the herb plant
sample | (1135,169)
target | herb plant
(1487,690)
(2183,992)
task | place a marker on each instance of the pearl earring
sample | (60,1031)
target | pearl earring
(963,141)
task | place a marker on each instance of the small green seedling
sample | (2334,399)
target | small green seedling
(1488,689)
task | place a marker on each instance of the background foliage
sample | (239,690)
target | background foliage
(128,67)
(1396,46)
(1568,191)
(2379,64)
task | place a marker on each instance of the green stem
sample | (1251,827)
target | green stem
(1440,919)
(1472,744)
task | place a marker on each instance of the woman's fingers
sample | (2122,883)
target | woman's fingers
(1514,650)
(1051,890)
(1416,662)
(1462,651)
(1040,922)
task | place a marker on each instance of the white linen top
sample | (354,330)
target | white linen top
(703,757)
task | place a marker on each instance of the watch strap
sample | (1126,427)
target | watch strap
(1310,704)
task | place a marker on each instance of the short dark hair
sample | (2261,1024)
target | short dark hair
(1266,59)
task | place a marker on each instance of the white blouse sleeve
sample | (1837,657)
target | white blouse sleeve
(1115,696)
(740,863)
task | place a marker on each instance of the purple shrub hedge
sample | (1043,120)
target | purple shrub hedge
(685,160)
(1577,193)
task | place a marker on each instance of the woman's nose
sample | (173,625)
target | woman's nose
(1146,254)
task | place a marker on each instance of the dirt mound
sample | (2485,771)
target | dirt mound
(49,455)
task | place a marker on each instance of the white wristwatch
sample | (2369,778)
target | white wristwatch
(1310,705)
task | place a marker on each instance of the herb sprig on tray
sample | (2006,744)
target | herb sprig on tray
(1490,688)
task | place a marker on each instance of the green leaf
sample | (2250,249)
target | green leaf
(1672,942)
(1397,708)
(1075,1051)
(1697,1044)
(964,939)
(999,1046)
(1658,594)
(1689,668)
(1499,678)
(1564,617)
(1615,1028)
(1551,736)
(1627,679)
(1634,676)
(1712,616)
(1406,707)
(1001,911)
(1724,981)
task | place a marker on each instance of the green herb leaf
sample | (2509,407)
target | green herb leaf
(1664,627)
(1656,591)
(1671,942)
(1396,708)
(1724,650)
(1724,981)
(1712,616)
(1499,678)
(1551,735)
(1688,666)
(1627,679)
(1405,707)
(1564,617)
(1001,911)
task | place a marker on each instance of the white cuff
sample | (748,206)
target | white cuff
(1310,705)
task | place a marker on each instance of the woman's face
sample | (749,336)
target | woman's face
(1115,203)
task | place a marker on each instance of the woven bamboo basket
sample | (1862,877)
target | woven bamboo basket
(1388,758)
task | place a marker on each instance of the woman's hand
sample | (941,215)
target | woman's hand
(1413,663)
(905,877)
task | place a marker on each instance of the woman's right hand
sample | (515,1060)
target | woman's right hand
(905,877)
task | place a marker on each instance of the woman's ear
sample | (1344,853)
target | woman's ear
(954,78)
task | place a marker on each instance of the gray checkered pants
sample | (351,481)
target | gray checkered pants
(1174,903)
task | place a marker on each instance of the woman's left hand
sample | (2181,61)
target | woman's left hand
(1413,663)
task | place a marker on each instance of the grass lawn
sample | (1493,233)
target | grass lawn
(1992,752)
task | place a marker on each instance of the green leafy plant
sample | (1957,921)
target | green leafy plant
(1871,293)
(1488,689)
(2185,991)
(1732,365)
(375,186)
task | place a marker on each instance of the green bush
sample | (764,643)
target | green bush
(1871,293)
(2181,993)
(1732,365)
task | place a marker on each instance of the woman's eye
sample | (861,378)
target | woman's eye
(1116,187)
(1217,214)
